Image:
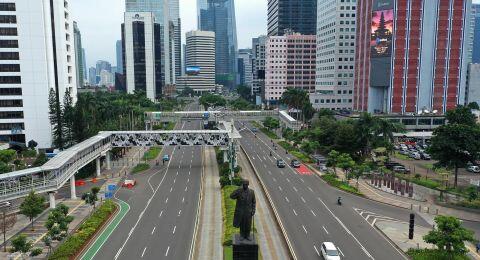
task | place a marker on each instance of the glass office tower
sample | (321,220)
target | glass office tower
(219,16)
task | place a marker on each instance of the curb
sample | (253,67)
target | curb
(193,248)
(404,254)
(277,217)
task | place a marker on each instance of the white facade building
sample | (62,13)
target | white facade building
(259,57)
(335,55)
(106,79)
(200,54)
(140,53)
(473,84)
(245,70)
(37,54)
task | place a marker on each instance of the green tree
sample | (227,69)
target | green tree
(455,145)
(56,116)
(21,244)
(6,156)
(68,119)
(326,113)
(346,163)
(92,196)
(271,123)
(32,206)
(449,235)
(40,160)
(4,168)
(187,92)
(461,115)
(473,106)
(57,222)
(308,111)
(472,193)
(211,100)
(333,160)
(244,92)
(387,128)
(359,170)
(32,144)
(295,98)
(366,133)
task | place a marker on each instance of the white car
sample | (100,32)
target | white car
(329,251)
(474,169)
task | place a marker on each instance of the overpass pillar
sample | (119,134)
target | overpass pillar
(98,166)
(73,191)
(109,166)
(51,196)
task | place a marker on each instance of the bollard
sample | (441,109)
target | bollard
(411,206)
(436,213)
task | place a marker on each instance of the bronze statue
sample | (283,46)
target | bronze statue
(244,209)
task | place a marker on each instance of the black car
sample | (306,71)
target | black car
(281,163)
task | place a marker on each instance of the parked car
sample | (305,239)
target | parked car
(281,163)
(474,169)
(329,251)
(295,164)
(400,169)
(425,156)
(323,168)
(129,183)
(415,155)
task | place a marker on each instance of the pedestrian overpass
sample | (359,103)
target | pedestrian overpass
(156,118)
(54,174)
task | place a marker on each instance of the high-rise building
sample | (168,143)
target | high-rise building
(37,55)
(476,33)
(143,68)
(290,63)
(258,64)
(106,79)
(472,92)
(335,55)
(119,55)
(411,55)
(92,76)
(160,9)
(294,15)
(85,78)
(103,65)
(219,16)
(199,62)
(245,70)
(79,59)
(177,35)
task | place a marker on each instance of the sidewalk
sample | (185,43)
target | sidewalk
(270,238)
(210,226)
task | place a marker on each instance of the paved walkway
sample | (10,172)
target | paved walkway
(270,238)
(209,235)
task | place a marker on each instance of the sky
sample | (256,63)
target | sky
(100,22)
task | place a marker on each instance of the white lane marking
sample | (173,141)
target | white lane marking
(316,250)
(186,188)
(265,166)
(325,229)
(176,174)
(339,250)
(288,180)
(146,206)
(189,171)
(303,199)
(253,157)
(275,180)
(295,189)
(179,166)
(161,213)
(166,201)
(153,230)
(144,251)
(346,229)
(294,212)
(179,212)
(302,180)
(264,156)
(171,188)
(174,228)
(313,213)
(287,199)
(188,180)
(183,199)
(168,249)
(280,188)
(304,229)
(310,189)
(174,180)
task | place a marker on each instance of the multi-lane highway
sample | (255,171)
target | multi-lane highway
(163,208)
(308,207)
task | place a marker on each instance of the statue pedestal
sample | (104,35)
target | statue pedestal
(244,249)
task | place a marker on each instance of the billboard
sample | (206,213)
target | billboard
(193,70)
(381,33)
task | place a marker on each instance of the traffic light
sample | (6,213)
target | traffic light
(411,226)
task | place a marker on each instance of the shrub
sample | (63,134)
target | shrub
(36,252)
(29,153)
(474,204)
(428,254)
(224,181)
(333,181)
(228,213)
(140,168)
(152,153)
(237,181)
(75,242)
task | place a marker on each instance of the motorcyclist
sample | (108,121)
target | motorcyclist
(339,201)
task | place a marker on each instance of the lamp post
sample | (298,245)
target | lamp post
(4,206)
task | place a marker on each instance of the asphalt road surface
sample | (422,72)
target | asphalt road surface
(163,208)
(308,207)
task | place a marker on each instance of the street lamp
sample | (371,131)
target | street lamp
(4,206)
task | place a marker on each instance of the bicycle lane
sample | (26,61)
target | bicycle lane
(103,237)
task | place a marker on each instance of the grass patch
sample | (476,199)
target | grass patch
(74,243)
(228,207)
(267,132)
(439,170)
(228,253)
(295,152)
(429,183)
(428,254)
(333,181)
(152,153)
(400,156)
(166,127)
(141,167)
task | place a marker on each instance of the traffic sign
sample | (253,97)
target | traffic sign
(112,187)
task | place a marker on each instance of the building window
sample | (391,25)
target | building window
(12,126)
(9,56)
(11,115)
(10,91)
(8,44)
(8,19)
(10,80)
(11,103)
(8,31)
(8,7)
(9,67)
